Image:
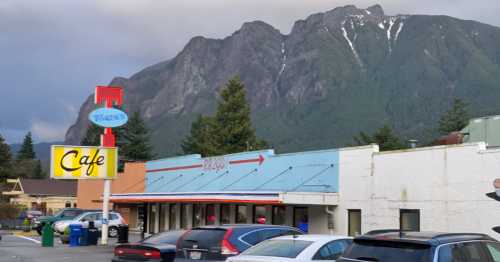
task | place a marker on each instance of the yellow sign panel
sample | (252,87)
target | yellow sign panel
(83,162)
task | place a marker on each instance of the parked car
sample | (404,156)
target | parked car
(63,214)
(160,247)
(31,215)
(115,219)
(217,243)
(422,247)
(302,248)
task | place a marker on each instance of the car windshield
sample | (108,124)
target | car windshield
(79,217)
(58,213)
(169,237)
(387,251)
(289,248)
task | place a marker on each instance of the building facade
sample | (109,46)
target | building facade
(131,180)
(345,191)
(46,195)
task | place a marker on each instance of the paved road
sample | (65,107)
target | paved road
(18,249)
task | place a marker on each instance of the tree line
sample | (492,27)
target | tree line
(24,165)
(454,119)
(229,130)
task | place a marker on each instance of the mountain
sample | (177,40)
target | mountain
(335,74)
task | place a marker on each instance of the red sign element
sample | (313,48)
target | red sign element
(212,165)
(108,95)
(260,160)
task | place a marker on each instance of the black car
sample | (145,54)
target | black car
(157,248)
(216,243)
(422,247)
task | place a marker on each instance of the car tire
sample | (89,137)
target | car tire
(113,232)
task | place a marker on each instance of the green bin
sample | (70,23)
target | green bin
(47,236)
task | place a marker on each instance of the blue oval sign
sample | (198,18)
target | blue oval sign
(108,117)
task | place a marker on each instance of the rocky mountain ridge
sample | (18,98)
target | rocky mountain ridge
(335,74)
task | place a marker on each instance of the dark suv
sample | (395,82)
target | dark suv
(211,243)
(422,247)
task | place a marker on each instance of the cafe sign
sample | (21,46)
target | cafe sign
(83,162)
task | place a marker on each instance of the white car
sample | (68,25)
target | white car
(295,248)
(115,219)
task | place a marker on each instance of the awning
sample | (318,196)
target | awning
(206,197)
(262,198)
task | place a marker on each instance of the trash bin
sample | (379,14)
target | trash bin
(93,236)
(47,236)
(74,234)
(84,238)
(122,234)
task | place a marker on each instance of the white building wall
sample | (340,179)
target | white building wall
(446,183)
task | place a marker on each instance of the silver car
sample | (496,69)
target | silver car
(115,219)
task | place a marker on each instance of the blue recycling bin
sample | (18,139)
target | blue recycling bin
(75,232)
(84,239)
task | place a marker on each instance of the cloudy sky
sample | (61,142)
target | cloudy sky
(53,53)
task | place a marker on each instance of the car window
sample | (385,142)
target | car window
(113,216)
(463,252)
(257,236)
(251,238)
(89,217)
(332,250)
(69,213)
(387,251)
(450,253)
(494,250)
(289,248)
(169,237)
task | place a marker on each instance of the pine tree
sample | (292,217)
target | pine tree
(92,135)
(134,140)
(455,119)
(384,137)
(5,159)
(199,140)
(26,151)
(233,131)
(38,171)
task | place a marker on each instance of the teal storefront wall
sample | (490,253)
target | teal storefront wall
(257,171)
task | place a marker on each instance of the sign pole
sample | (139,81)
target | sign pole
(108,95)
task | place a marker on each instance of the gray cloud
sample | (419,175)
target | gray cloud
(53,53)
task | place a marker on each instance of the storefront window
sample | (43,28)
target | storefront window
(241,214)
(210,217)
(409,219)
(225,213)
(198,215)
(354,226)
(163,216)
(300,218)
(152,217)
(279,215)
(184,216)
(259,214)
(172,217)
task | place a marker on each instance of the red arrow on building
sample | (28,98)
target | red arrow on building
(260,160)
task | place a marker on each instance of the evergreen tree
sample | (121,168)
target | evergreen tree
(384,137)
(233,131)
(5,159)
(92,135)
(38,171)
(199,140)
(134,140)
(454,119)
(26,151)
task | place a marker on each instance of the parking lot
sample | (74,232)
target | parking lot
(28,249)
